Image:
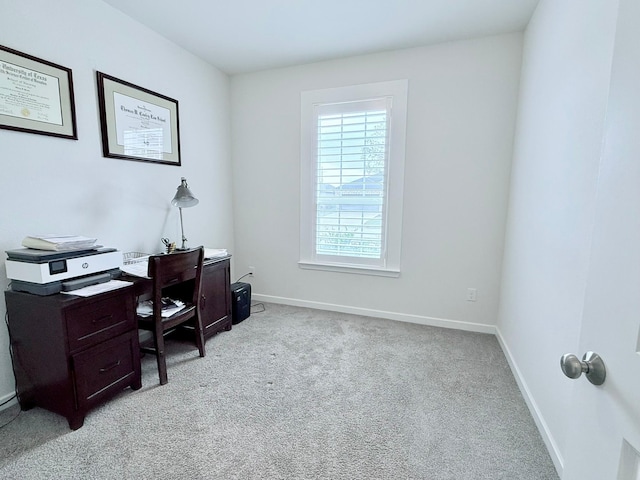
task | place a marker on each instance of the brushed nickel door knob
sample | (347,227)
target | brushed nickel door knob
(591,365)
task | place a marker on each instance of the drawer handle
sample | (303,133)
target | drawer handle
(101,319)
(203,302)
(110,367)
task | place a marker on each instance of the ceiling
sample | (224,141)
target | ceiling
(240,36)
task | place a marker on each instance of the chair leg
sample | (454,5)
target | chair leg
(158,340)
(199,331)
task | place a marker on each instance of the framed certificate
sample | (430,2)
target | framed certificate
(137,124)
(36,96)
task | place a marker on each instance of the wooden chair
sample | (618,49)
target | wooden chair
(178,276)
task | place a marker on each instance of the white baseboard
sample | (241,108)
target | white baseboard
(548,439)
(367,312)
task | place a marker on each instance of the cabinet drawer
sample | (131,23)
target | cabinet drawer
(93,322)
(104,368)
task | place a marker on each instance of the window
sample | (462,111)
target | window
(352,177)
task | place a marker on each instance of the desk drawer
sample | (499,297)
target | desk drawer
(103,368)
(99,320)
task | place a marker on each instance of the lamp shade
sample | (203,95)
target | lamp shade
(183,197)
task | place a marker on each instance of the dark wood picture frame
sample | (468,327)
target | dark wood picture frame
(36,96)
(137,124)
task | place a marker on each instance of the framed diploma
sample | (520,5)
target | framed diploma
(36,96)
(137,124)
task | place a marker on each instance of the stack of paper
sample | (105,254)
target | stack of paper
(215,252)
(59,243)
(169,307)
(137,269)
(99,288)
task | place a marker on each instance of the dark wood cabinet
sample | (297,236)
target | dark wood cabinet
(215,303)
(215,297)
(71,353)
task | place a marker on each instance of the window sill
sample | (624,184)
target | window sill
(357,269)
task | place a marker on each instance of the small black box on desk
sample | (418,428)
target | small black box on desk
(240,301)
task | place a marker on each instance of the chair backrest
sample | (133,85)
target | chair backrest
(173,272)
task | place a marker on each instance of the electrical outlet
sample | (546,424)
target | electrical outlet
(472,294)
(252,271)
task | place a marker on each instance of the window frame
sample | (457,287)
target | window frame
(389,264)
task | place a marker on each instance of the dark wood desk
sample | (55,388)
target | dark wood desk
(71,353)
(215,301)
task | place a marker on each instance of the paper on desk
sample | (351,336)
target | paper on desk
(99,288)
(215,252)
(138,269)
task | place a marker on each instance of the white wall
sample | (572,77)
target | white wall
(461,116)
(65,186)
(564,88)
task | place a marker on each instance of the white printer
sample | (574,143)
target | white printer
(45,272)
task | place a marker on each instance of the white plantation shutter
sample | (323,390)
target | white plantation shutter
(352,177)
(352,157)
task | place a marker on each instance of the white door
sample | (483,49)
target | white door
(604,438)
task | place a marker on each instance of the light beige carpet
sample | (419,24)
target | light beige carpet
(294,393)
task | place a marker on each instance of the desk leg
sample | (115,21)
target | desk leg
(76,421)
